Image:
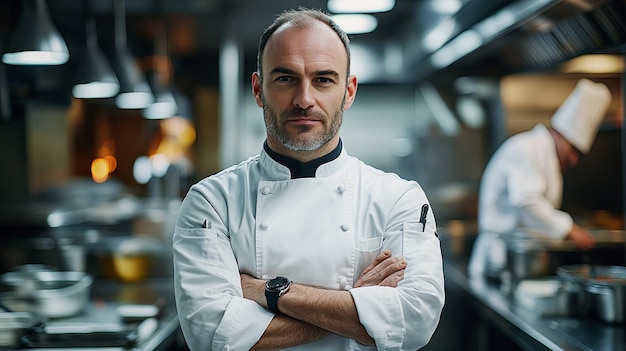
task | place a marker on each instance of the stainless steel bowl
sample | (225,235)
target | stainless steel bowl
(50,294)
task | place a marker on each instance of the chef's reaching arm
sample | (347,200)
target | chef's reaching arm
(581,237)
(536,212)
(309,313)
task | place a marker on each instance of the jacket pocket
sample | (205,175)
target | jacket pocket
(201,247)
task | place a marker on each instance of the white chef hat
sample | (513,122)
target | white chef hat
(578,118)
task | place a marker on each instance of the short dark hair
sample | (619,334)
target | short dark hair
(301,18)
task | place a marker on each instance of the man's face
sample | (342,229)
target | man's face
(568,155)
(303,91)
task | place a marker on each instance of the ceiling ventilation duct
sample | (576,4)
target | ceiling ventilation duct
(544,34)
(600,29)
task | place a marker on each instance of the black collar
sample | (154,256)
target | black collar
(302,169)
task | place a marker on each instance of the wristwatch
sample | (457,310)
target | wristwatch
(275,288)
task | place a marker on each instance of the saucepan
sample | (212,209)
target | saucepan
(45,292)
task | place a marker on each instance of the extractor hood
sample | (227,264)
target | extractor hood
(522,36)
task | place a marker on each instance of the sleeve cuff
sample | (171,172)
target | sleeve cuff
(242,326)
(372,302)
(562,224)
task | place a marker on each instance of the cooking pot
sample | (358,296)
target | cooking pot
(527,259)
(603,287)
(47,293)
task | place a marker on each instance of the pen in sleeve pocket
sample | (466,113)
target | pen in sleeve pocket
(423,216)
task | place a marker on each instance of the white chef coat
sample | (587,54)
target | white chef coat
(522,187)
(320,231)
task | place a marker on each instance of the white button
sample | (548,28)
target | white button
(341,189)
(265,190)
(345,227)
(265,225)
(343,282)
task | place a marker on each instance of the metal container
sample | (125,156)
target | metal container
(604,289)
(527,259)
(47,293)
(13,325)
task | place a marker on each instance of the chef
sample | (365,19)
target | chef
(522,185)
(304,247)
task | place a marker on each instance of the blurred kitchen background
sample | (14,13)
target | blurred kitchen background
(92,184)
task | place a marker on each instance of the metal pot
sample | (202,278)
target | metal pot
(604,289)
(527,259)
(47,293)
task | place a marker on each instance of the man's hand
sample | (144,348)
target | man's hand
(581,237)
(386,270)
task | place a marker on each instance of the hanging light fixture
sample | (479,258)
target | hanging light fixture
(96,78)
(134,90)
(165,105)
(35,41)
(183,104)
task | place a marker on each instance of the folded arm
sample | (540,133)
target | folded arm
(310,313)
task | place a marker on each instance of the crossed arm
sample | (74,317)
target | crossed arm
(310,313)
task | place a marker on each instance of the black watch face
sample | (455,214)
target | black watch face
(277,283)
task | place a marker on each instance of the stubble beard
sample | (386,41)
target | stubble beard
(301,141)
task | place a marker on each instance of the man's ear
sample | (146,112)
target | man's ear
(256,88)
(350,92)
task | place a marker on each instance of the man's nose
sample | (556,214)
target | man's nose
(304,96)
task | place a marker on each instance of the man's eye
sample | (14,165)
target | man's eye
(324,80)
(283,79)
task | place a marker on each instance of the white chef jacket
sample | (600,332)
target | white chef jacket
(522,187)
(320,231)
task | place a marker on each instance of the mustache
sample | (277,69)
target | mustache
(298,112)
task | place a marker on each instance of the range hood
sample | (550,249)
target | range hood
(523,35)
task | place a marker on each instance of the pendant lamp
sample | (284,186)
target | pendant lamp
(5,99)
(134,91)
(36,41)
(96,78)
(183,104)
(164,105)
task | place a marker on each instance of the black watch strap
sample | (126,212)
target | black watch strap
(272,300)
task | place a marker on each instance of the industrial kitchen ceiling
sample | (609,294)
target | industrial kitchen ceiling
(406,47)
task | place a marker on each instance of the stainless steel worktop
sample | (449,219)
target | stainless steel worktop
(485,315)
(530,329)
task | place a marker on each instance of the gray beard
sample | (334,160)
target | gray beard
(300,143)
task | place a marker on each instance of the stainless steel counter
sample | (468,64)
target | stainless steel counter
(529,329)
(101,314)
